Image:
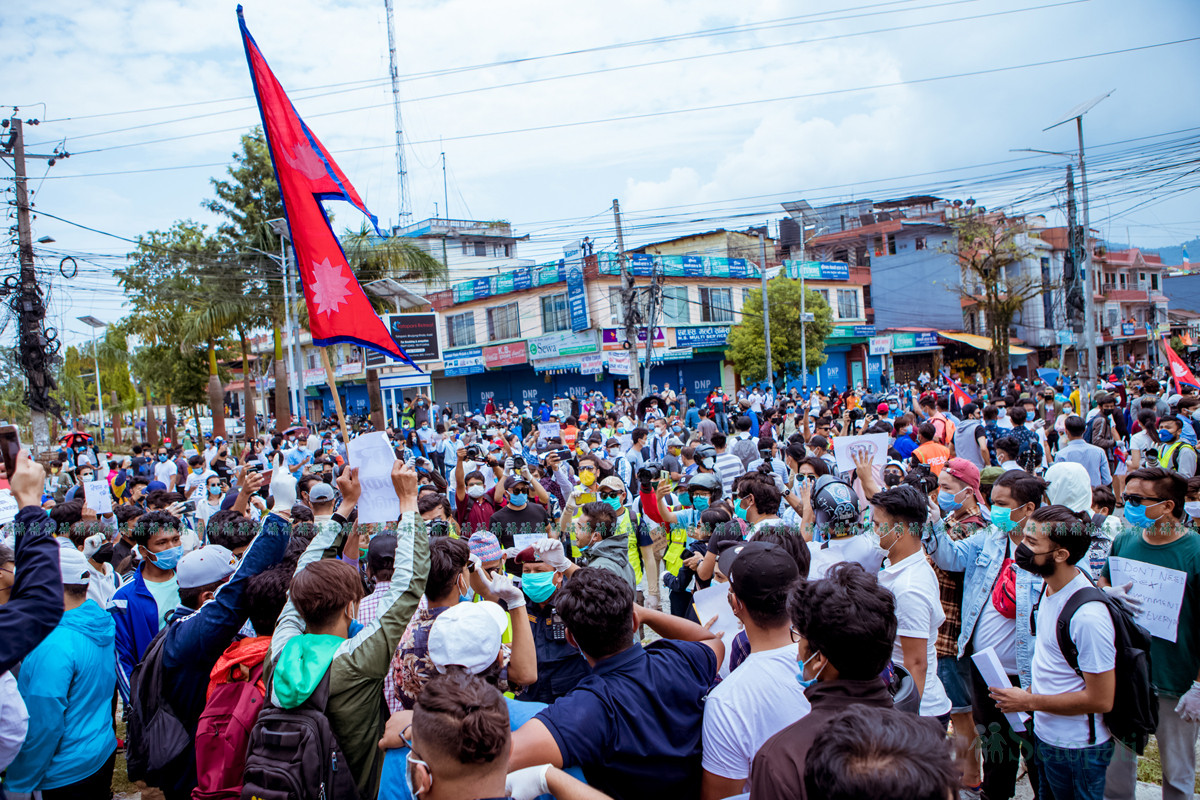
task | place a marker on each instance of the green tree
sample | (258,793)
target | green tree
(747,348)
(13,405)
(987,247)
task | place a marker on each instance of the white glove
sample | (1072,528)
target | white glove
(478,562)
(283,487)
(1188,707)
(1121,595)
(92,543)
(528,783)
(508,464)
(503,588)
(550,551)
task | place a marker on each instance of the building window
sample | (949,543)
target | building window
(555,316)
(675,306)
(866,296)
(824,296)
(616,313)
(312,360)
(504,322)
(716,305)
(745,298)
(919,244)
(861,258)
(1154,281)
(847,304)
(481,248)
(841,255)
(460,329)
(891,244)
(1124,284)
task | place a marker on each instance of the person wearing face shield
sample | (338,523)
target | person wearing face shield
(997,601)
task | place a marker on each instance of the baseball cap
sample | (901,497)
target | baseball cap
(485,546)
(968,473)
(467,635)
(205,565)
(154,486)
(612,483)
(674,442)
(758,571)
(72,564)
(320,493)
(513,481)
(882,408)
(988,475)
(381,552)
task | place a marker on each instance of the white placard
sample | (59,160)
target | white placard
(591,365)
(714,602)
(99,496)
(523,540)
(372,453)
(992,672)
(879,345)
(549,430)
(844,447)
(1160,589)
(8,506)
(618,363)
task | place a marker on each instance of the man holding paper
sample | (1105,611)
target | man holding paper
(1153,555)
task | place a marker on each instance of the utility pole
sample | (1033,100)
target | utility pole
(651,315)
(766,306)
(402,197)
(1073,292)
(1089,298)
(31,310)
(627,293)
(445,188)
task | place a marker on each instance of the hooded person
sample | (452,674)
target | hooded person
(67,683)
(1071,486)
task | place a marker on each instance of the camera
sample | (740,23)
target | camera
(649,474)
(474,452)
(518,463)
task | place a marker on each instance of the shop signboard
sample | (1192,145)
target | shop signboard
(707,336)
(577,296)
(879,345)
(567,343)
(592,365)
(464,362)
(818,270)
(417,334)
(613,338)
(1128,328)
(642,265)
(503,355)
(314,377)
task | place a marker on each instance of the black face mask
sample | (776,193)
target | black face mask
(1024,557)
(438,527)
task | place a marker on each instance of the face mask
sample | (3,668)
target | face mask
(424,427)
(947,502)
(198,470)
(214,490)
(1192,507)
(807,682)
(162,458)
(1137,516)
(587,477)
(410,768)
(1165,435)
(739,509)
(86,478)
(166,559)
(538,586)
(1002,519)
(517,498)
(614,503)
(475,491)
(700,503)
(1024,557)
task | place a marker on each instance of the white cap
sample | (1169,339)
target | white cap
(205,565)
(72,564)
(467,635)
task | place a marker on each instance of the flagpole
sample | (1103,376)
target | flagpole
(331,380)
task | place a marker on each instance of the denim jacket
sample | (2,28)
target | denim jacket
(979,556)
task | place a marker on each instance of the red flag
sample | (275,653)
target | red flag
(338,310)
(1179,370)
(960,394)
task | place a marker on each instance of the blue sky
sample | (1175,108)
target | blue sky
(93,63)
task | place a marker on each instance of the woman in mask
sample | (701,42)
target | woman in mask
(996,603)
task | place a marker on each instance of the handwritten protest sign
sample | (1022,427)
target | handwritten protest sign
(1159,588)
(523,540)
(549,430)
(873,444)
(8,507)
(714,602)
(99,496)
(372,453)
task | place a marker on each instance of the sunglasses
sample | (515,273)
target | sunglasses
(1137,500)
(608,495)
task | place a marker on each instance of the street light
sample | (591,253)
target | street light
(283,231)
(95,325)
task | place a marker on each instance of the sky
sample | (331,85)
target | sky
(695,115)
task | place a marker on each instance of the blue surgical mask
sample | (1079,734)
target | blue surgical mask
(739,509)
(198,470)
(355,628)
(160,458)
(166,559)
(947,502)
(613,502)
(1165,435)
(1002,519)
(803,681)
(538,586)
(214,490)
(685,500)
(1137,517)
(518,498)
(700,503)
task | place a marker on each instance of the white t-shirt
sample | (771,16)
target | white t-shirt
(195,479)
(1142,442)
(855,549)
(918,615)
(164,471)
(758,699)
(102,584)
(14,719)
(993,629)
(1094,637)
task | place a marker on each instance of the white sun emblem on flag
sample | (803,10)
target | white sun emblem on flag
(330,287)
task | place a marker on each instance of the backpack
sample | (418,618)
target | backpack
(1134,715)
(293,753)
(156,737)
(746,450)
(223,733)
(1087,430)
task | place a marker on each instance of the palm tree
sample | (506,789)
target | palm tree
(206,326)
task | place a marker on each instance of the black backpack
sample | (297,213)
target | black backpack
(1134,715)
(156,737)
(293,753)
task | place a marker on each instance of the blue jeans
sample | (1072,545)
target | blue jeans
(1066,773)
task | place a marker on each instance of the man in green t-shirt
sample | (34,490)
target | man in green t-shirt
(1154,499)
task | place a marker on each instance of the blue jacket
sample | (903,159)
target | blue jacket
(195,639)
(67,684)
(979,557)
(35,604)
(135,613)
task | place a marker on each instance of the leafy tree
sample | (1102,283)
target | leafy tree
(747,346)
(986,246)
(13,405)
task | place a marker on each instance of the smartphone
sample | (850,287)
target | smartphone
(256,467)
(189,507)
(10,445)
(267,478)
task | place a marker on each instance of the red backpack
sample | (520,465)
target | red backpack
(236,694)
